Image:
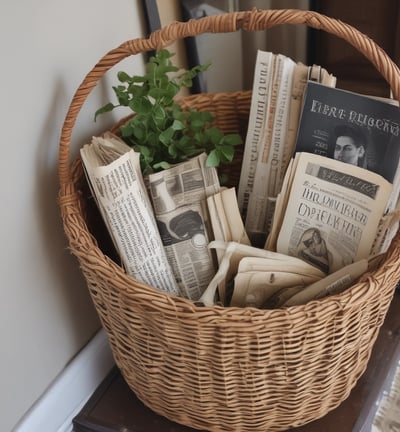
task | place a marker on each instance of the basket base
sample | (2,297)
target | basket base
(114,407)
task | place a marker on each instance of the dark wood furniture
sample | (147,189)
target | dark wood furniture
(115,408)
(378,20)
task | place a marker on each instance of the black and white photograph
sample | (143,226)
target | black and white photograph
(313,249)
(350,127)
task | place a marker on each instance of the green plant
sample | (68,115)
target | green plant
(160,130)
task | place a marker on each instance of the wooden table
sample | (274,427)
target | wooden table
(115,408)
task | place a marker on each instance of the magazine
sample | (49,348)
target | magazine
(331,211)
(357,129)
(353,128)
(113,172)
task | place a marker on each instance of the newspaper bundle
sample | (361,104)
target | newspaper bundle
(113,172)
(278,90)
(179,197)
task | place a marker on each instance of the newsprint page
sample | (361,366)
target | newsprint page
(333,212)
(113,172)
(179,196)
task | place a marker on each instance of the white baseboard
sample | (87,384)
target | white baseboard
(63,400)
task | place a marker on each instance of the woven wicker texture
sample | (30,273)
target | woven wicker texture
(228,369)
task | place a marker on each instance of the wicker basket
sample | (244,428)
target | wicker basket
(228,369)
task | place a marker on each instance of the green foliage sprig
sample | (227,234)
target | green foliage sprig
(160,130)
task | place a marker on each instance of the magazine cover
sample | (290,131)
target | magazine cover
(333,212)
(354,128)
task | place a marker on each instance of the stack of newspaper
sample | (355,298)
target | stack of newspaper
(277,97)
(302,196)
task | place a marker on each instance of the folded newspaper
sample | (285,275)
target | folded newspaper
(226,222)
(179,196)
(113,172)
(280,274)
(259,280)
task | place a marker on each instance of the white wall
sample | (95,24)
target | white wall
(46,314)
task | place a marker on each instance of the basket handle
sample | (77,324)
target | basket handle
(228,22)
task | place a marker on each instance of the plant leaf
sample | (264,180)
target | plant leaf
(232,139)
(159,113)
(228,151)
(141,105)
(177,125)
(106,108)
(123,77)
(166,136)
(162,165)
(213,159)
(172,150)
